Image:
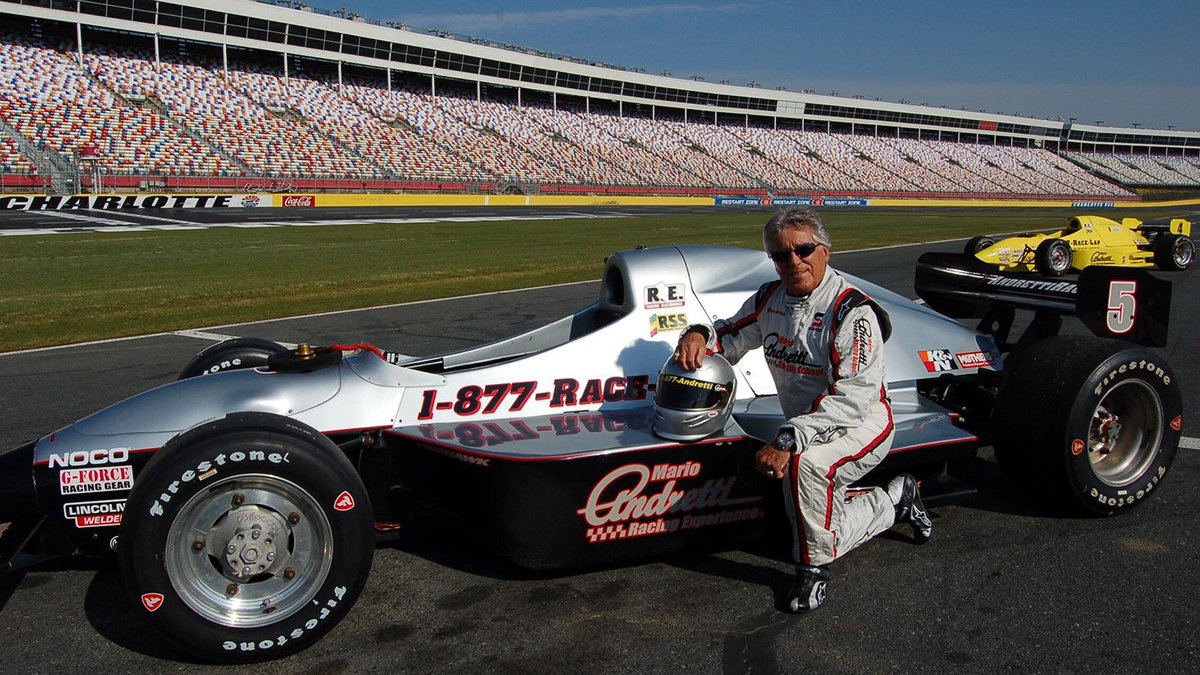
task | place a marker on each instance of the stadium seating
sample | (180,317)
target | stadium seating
(195,118)
(1187,168)
(11,159)
(55,104)
(1141,169)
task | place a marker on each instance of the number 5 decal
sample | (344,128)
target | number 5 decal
(1122,306)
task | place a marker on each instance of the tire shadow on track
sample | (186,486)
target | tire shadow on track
(106,605)
(111,612)
(989,489)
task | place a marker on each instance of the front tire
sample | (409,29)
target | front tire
(247,539)
(1053,257)
(1092,425)
(1174,252)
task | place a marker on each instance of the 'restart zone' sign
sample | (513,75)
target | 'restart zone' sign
(116,202)
(771,202)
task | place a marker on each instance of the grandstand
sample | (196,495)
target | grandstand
(244,95)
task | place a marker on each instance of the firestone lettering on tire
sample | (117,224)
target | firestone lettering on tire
(224,365)
(208,468)
(1148,366)
(294,634)
(1127,499)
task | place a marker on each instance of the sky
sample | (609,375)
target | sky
(1122,64)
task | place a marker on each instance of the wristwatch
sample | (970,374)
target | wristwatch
(786,440)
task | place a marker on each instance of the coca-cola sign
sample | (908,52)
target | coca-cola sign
(636,500)
(304,201)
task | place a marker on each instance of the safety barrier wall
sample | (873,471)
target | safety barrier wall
(43,202)
(229,201)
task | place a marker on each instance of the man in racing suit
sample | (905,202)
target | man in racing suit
(823,342)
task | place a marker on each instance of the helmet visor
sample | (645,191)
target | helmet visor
(679,392)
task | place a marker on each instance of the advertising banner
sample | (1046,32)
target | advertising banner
(135,201)
(775,202)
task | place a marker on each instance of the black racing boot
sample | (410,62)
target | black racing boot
(808,592)
(909,508)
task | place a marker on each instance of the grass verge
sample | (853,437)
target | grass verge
(61,289)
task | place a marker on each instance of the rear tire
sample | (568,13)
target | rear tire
(235,354)
(1088,424)
(1053,257)
(1174,252)
(247,539)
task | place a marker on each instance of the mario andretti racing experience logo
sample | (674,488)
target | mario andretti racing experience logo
(636,500)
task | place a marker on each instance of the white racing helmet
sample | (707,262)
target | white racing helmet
(689,405)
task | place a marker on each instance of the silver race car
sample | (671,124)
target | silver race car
(244,499)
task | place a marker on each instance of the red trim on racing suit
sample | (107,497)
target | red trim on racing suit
(831,385)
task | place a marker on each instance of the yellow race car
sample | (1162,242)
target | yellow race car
(1091,240)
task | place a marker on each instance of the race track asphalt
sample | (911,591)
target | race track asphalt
(1004,585)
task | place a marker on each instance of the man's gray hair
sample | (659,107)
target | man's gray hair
(797,218)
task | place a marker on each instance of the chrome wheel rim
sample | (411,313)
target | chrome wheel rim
(1184,250)
(1060,258)
(249,551)
(1125,433)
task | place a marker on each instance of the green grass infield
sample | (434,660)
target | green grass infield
(68,288)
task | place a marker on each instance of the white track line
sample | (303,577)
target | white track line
(217,337)
(90,219)
(160,218)
(265,221)
(204,335)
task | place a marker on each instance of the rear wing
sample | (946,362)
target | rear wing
(1179,226)
(1113,302)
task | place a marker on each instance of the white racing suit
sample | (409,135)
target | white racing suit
(825,352)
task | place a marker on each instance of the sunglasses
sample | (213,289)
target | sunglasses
(785,256)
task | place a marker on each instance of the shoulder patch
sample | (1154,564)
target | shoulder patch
(848,300)
(851,298)
(764,293)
